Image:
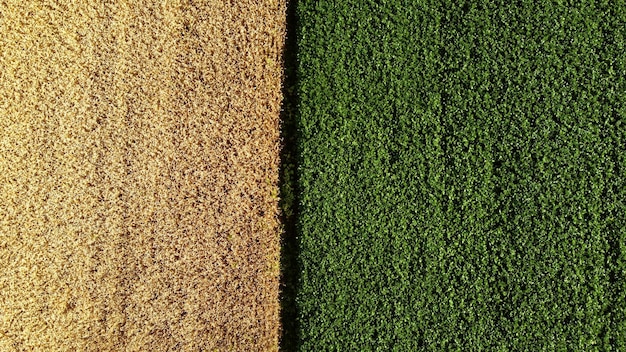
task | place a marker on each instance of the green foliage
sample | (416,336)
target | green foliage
(462,175)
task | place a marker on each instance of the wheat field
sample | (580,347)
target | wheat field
(139,155)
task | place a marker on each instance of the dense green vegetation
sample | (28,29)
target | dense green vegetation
(462,175)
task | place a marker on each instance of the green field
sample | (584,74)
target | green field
(462,175)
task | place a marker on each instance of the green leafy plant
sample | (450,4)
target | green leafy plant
(462,183)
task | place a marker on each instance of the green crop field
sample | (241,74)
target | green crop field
(461,175)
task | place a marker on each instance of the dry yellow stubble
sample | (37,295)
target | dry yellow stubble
(136,141)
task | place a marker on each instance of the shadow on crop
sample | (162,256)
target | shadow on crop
(290,248)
